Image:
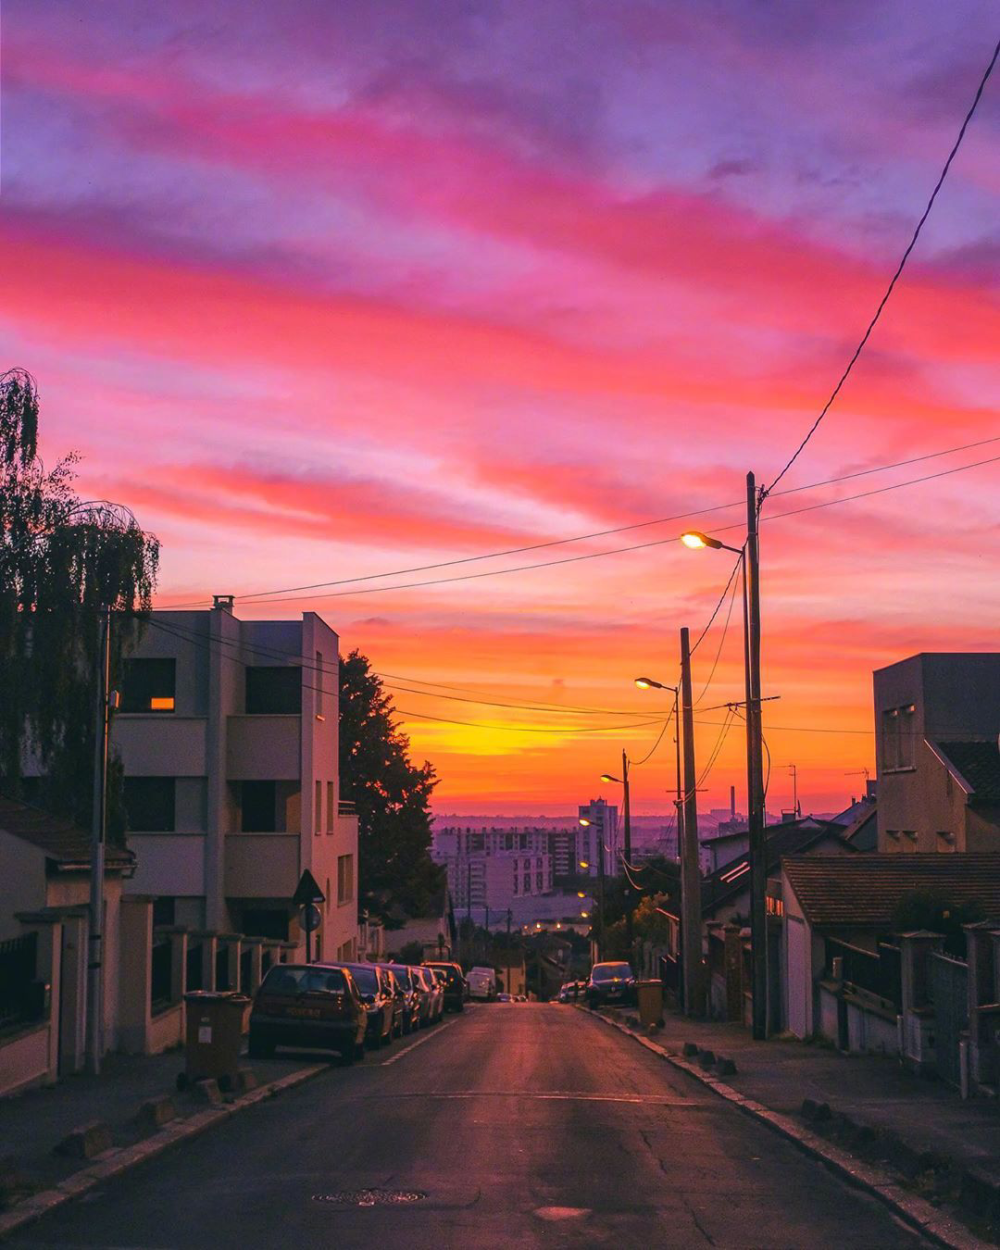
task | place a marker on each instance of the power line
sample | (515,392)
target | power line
(722,640)
(722,599)
(265,596)
(301,662)
(895,277)
(652,750)
(208,644)
(614,551)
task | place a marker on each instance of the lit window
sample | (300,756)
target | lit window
(149,685)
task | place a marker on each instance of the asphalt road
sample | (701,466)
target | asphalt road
(513,1124)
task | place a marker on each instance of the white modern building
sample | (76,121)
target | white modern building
(493,868)
(598,837)
(228,734)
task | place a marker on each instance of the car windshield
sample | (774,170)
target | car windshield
(293,981)
(449,974)
(609,972)
(403,976)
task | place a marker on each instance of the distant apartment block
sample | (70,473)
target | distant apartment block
(599,837)
(228,733)
(492,868)
(937,718)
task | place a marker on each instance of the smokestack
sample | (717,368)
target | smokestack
(732,802)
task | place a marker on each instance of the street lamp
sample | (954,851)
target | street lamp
(587,823)
(750,560)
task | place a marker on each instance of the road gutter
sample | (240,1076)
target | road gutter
(919,1214)
(122,1158)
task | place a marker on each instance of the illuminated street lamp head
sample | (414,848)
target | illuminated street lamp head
(584,863)
(585,914)
(585,822)
(580,894)
(695,540)
(647,683)
(607,777)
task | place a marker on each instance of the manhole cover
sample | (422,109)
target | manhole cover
(372,1197)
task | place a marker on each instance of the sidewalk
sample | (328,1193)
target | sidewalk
(32,1124)
(945,1148)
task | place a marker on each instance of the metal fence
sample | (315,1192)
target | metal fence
(876,972)
(22,996)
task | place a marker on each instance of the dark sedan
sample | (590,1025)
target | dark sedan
(612,984)
(454,989)
(376,993)
(308,1006)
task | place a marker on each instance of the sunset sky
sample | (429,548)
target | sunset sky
(323,289)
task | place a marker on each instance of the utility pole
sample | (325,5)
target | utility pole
(629,920)
(690,870)
(95,979)
(678,801)
(755,772)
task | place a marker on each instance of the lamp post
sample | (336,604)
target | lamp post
(609,778)
(750,559)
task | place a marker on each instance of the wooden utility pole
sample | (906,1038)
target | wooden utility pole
(690,870)
(755,772)
(629,901)
(95,945)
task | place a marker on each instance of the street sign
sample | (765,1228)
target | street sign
(308,891)
(311,917)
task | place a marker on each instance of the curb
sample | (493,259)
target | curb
(919,1214)
(121,1158)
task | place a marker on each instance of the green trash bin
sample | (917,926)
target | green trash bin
(650,994)
(214,1035)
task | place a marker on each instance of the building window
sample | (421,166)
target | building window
(345,879)
(898,738)
(330,807)
(906,736)
(273,691)
(318,806)
(149,686)
(149,804)
(527,884)
(258,807)
(515,882)
(539,882)
(164,910)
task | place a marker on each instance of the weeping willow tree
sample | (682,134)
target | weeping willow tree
(61,560)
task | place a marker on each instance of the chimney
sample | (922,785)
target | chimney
(223,602)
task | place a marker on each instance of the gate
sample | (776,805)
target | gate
(948,986)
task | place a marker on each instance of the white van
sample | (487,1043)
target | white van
(482,983)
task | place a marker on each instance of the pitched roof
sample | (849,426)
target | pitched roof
(59,838)
(791,837)
(863,891)
(979,764)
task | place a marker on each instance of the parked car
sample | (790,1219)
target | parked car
(411,997)
(454,990)
(377,995)
(311,1006)
(611,983)
(506,998)
(425,997)
(398,999)
(436,988)
(569,992)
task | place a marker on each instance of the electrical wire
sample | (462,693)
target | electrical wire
(652,750)
(301,662)
(722,599)
(266,596)
(569,729)
(895,277)
(722,640)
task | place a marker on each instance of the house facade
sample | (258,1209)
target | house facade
(228,734)
(937,720)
